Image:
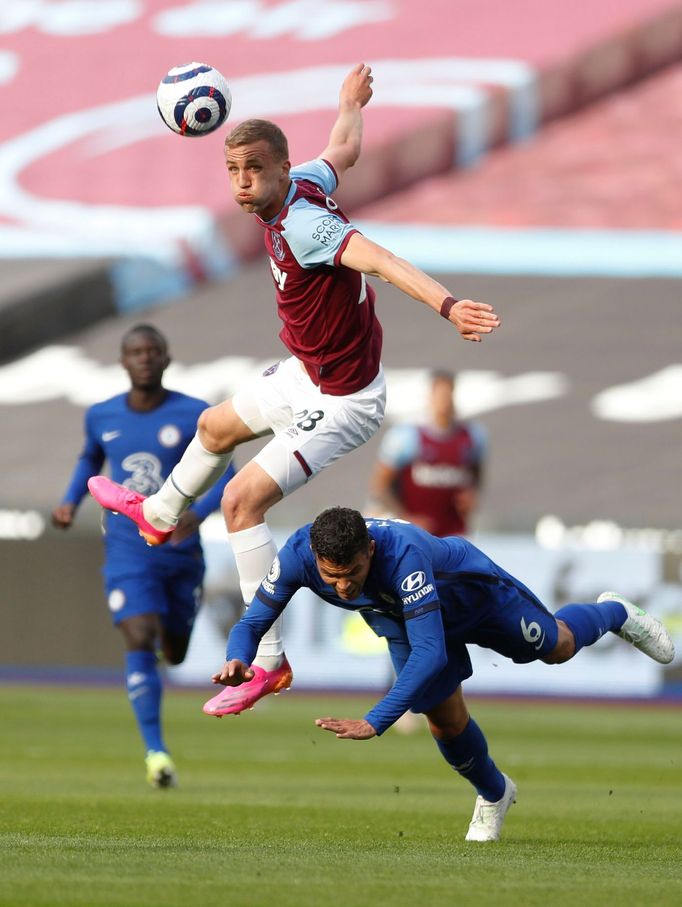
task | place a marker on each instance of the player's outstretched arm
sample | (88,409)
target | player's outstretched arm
(472,319)
(345,139)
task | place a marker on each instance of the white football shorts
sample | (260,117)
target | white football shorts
(311,429)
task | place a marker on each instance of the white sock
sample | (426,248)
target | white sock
(254,551)
(197,470)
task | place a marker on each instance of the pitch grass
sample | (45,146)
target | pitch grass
(273,812)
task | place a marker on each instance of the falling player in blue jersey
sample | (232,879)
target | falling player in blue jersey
(430,597)
(153,593)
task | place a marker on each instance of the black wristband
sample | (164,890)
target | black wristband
(446,305)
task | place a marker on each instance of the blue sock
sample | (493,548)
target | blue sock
(467,753)
(588,623)
(144,693)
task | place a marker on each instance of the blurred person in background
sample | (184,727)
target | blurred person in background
(324,400)
(431,473)
(153,593)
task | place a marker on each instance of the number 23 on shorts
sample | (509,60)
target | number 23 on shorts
(306,421)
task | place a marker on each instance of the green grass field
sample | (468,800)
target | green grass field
(273,812)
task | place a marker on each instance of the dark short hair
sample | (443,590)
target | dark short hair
(251,131)
(144,329)
(338,535)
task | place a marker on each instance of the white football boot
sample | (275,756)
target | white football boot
(642,630)
(486,822)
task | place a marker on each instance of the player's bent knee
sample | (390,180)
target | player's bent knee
(140,632)
(233,502)
(210,430)
(241,507)
(216,429)
(175,653)
(447,731)
(247,498)
(565,647)
(450,718)
(139,640)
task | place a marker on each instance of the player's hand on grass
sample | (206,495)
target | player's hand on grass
(188,524)
(62,516)
(347,728)
(473,319)
(233,674)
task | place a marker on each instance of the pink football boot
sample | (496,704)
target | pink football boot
(233,700)
(120,499)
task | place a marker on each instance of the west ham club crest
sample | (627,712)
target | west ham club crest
(277,246)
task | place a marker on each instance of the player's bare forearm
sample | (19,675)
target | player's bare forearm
(347,728)
(345,138)
(233,673)
(472,319)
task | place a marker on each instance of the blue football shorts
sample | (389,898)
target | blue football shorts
(517,626)
(172,593)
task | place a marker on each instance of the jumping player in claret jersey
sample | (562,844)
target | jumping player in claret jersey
(152,593)
(429,598)
(325,400)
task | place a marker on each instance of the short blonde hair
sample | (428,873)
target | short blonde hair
(251,131)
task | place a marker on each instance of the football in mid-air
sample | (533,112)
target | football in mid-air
(193,99)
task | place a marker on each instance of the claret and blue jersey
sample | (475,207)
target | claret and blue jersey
(427,596)
(327,309)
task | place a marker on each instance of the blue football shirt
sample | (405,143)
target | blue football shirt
(141,449)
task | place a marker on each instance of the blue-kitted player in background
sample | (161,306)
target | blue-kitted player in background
(153,593)
(430,597)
